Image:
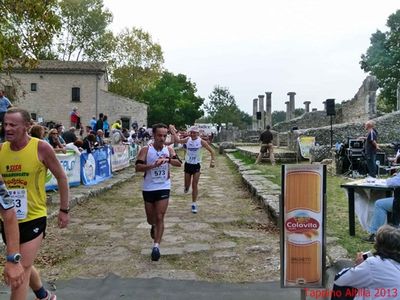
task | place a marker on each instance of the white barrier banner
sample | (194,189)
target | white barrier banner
(71,164)
(119,157)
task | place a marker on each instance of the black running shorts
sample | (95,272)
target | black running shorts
(192,168)
(28,230)
(153,196)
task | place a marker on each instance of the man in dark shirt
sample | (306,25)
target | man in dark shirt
(99,123)
(266,145)
(371,147)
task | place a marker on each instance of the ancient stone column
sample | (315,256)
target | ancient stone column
(324,103)
(255,101)
(261,109)
(307,106)
(287,110)
(268,113)
(292,105)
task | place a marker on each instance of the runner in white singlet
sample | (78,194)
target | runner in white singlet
(193,144)
(155,160)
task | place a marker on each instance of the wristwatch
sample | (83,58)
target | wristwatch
(14,258)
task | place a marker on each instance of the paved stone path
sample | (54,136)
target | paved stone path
(231,238)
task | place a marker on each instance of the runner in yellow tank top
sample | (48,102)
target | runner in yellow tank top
(24,162)
(24,176)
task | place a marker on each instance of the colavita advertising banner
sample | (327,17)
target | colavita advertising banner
(303,225)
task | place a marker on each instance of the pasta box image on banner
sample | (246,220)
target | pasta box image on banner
(302,221)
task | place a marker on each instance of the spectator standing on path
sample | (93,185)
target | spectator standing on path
(155,160)
(106,126)
(99,123)
(5,104)
(75,118)
(266,138)
(192,167)
(92,124)
(377,276)
(116,125)
(23,163)
(371,147)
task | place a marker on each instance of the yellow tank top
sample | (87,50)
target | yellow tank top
(24,175)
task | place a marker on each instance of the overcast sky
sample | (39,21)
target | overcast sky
(311,47)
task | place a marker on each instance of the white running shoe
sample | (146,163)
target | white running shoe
(194,208)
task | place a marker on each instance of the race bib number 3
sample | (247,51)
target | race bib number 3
(20,199)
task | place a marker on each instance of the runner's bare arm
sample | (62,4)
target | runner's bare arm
(13,273)
(174,133)
(48,157)
(209,149)
(174,160)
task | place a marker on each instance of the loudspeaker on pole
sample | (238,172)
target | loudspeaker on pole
(330,107)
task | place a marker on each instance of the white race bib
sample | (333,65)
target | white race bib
(20,198)
(192,157)
(159,174)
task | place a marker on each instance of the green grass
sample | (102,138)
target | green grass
(337,207)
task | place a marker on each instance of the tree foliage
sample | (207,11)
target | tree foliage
(278,116)
(84,33)
(137,64)
(26,28)
(222,108)
(173,101)
(382,59)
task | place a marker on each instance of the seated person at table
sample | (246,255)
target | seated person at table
(376,276)
(382,207)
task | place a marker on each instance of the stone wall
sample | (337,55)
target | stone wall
(363,106)
(120,107)
(307,120)
(359,109)
(388,127)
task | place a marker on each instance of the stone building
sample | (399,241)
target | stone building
(53,88)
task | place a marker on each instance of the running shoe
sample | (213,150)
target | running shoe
(155,254)
(185,190)
(50,296)
(152,231)
(194,208)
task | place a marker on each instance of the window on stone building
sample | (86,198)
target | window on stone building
(33,87)
(76,94)
(125,122)
(34,116)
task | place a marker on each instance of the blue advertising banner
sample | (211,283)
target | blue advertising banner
(96,166)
